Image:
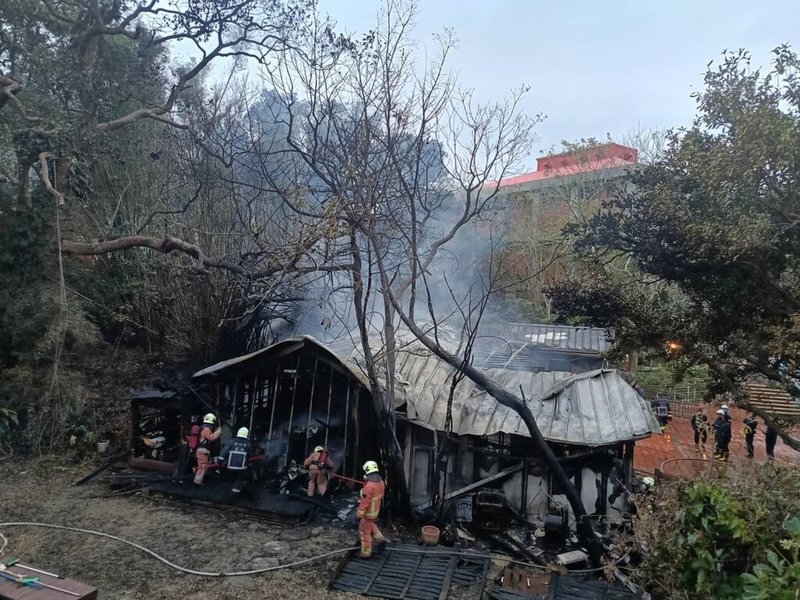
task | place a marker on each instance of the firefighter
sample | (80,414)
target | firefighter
(750,425)
(236,457)
(770,439)
(193,440)
(661,409)
(722,435)
(319,465)
(208,435)
(700,424)
(369,508)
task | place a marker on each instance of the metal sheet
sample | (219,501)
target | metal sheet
(590,409)
(411,572)
(562,337)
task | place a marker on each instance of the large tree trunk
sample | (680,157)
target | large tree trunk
(383,402)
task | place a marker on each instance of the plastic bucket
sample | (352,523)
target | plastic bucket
(102,447)
(430,535)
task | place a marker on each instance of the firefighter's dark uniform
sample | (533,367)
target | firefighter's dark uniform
(722,433)
(236,455)
(750,425)
(660,407)
(700,426)
(770,438)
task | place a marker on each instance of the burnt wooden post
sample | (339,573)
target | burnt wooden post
(346,428)
(275,388)
(253,400)
(523,509)
(235,396)
(311,403)
(628,461)
(357,434)
(328,417)
(291,410)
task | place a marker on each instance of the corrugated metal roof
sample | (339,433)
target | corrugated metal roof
(590,340)
(589,409)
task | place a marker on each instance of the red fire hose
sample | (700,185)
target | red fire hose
(343,478)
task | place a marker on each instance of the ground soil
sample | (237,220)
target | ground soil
(198,538)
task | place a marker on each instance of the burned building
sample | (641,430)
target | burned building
(293,396)
(591,420)
(459,453)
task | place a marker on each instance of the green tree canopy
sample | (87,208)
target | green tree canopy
(712,231)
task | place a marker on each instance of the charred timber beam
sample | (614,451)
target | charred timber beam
(310,405)
(346,428)
(291,414)
(275,390)
(480,483)
(328,417)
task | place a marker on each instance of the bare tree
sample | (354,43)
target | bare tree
(375,128)
(399,160)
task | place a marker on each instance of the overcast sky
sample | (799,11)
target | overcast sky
(595,66)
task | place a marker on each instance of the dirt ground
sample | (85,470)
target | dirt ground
(194,537)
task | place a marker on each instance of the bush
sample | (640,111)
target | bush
(52,408)
(726,537)
(779,578)
(8,420)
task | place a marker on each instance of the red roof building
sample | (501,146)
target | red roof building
(606,158)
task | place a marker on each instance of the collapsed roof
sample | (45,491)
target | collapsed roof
(590,340)
(596,408)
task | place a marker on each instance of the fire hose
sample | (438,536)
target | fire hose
(348,479)
(167,562)
(297,563)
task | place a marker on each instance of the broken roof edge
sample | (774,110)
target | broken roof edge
(245,358)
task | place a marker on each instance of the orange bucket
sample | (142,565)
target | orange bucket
(430,535)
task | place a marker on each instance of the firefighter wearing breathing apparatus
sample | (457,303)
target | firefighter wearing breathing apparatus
(236,457)
(319,465)
(208,435)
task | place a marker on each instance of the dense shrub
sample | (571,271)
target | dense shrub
(729,535)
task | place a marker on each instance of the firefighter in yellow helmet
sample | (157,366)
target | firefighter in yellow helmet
(208,435)
(319,465)
(236,457)
(369,508)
